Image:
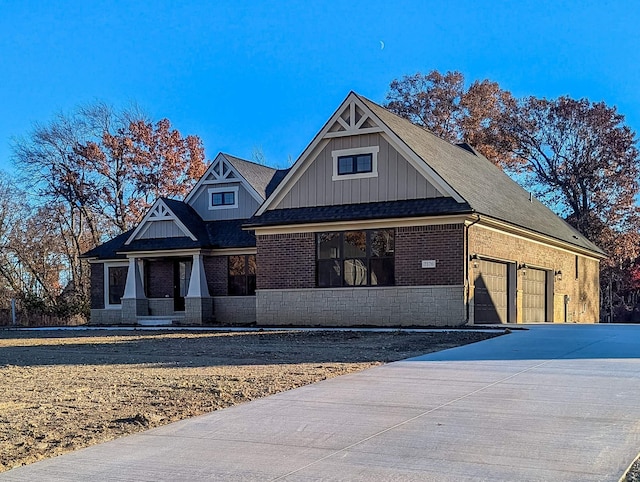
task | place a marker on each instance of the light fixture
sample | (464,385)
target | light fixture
(474,259)
(523,269)
(558,275)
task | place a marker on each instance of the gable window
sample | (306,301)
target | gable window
(223,198)
(356,163)
(242,275)
(355,258)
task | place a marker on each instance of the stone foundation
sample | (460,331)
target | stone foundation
(375,306)
(106,317)
(161,307)
(235,309)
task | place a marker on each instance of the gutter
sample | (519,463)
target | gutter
(466,262)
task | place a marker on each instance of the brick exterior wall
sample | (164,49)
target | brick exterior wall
(97,286)
(442,243)
(584,292)
(160,276)
(286,261)
(217,272)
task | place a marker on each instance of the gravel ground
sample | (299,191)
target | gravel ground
(634,472)
(63,390)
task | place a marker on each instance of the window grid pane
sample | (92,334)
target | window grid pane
(228,198)
(345,165)
(355,258)
(117,280)
(363,163)
(242,275)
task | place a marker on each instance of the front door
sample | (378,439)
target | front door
(181,277)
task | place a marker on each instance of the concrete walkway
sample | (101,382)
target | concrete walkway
(555,403)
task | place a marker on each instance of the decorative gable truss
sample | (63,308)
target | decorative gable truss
(222,172)
(353,117)
(160,222)
(352,120)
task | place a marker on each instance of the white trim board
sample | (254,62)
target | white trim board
(105,274)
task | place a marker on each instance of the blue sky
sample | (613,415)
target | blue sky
(248,75)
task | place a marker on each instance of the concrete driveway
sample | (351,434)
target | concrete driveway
(554,403)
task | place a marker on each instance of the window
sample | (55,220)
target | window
(117,279)
(356,163)
(242,275)
(223,198)
(355,258)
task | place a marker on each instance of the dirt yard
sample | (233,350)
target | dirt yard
(63,390)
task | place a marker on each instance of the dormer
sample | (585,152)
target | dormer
(231,188)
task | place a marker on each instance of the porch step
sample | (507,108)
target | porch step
(158,320)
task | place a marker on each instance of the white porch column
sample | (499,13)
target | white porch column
(133,289)
(198,282)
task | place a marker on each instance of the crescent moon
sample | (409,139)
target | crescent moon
(381,45)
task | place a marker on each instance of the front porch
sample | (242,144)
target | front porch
(178,287)
(168,288)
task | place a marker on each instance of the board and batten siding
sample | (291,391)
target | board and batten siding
(396,180)
(247,205)
(161,229)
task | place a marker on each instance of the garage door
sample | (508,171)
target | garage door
(490,294)
(534,296)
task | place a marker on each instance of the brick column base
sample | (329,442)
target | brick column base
(134,307)
(198,311)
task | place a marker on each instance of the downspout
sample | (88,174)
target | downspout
(466,264)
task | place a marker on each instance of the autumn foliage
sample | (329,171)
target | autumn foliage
(578,156)
(443,105)
(89,175)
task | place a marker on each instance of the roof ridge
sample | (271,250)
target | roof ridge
(247,161)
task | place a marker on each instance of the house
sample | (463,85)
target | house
(378,222)
(186,257)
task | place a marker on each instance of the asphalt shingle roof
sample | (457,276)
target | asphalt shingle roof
(362,211)
(257,175)
(485,187)
(209,234)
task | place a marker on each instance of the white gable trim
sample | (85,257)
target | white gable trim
(159,212)
(221,171)
(353,128)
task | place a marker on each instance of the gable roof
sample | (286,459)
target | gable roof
(226,168)
(486,188)
(207,235)
(160,211)
(458,171)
